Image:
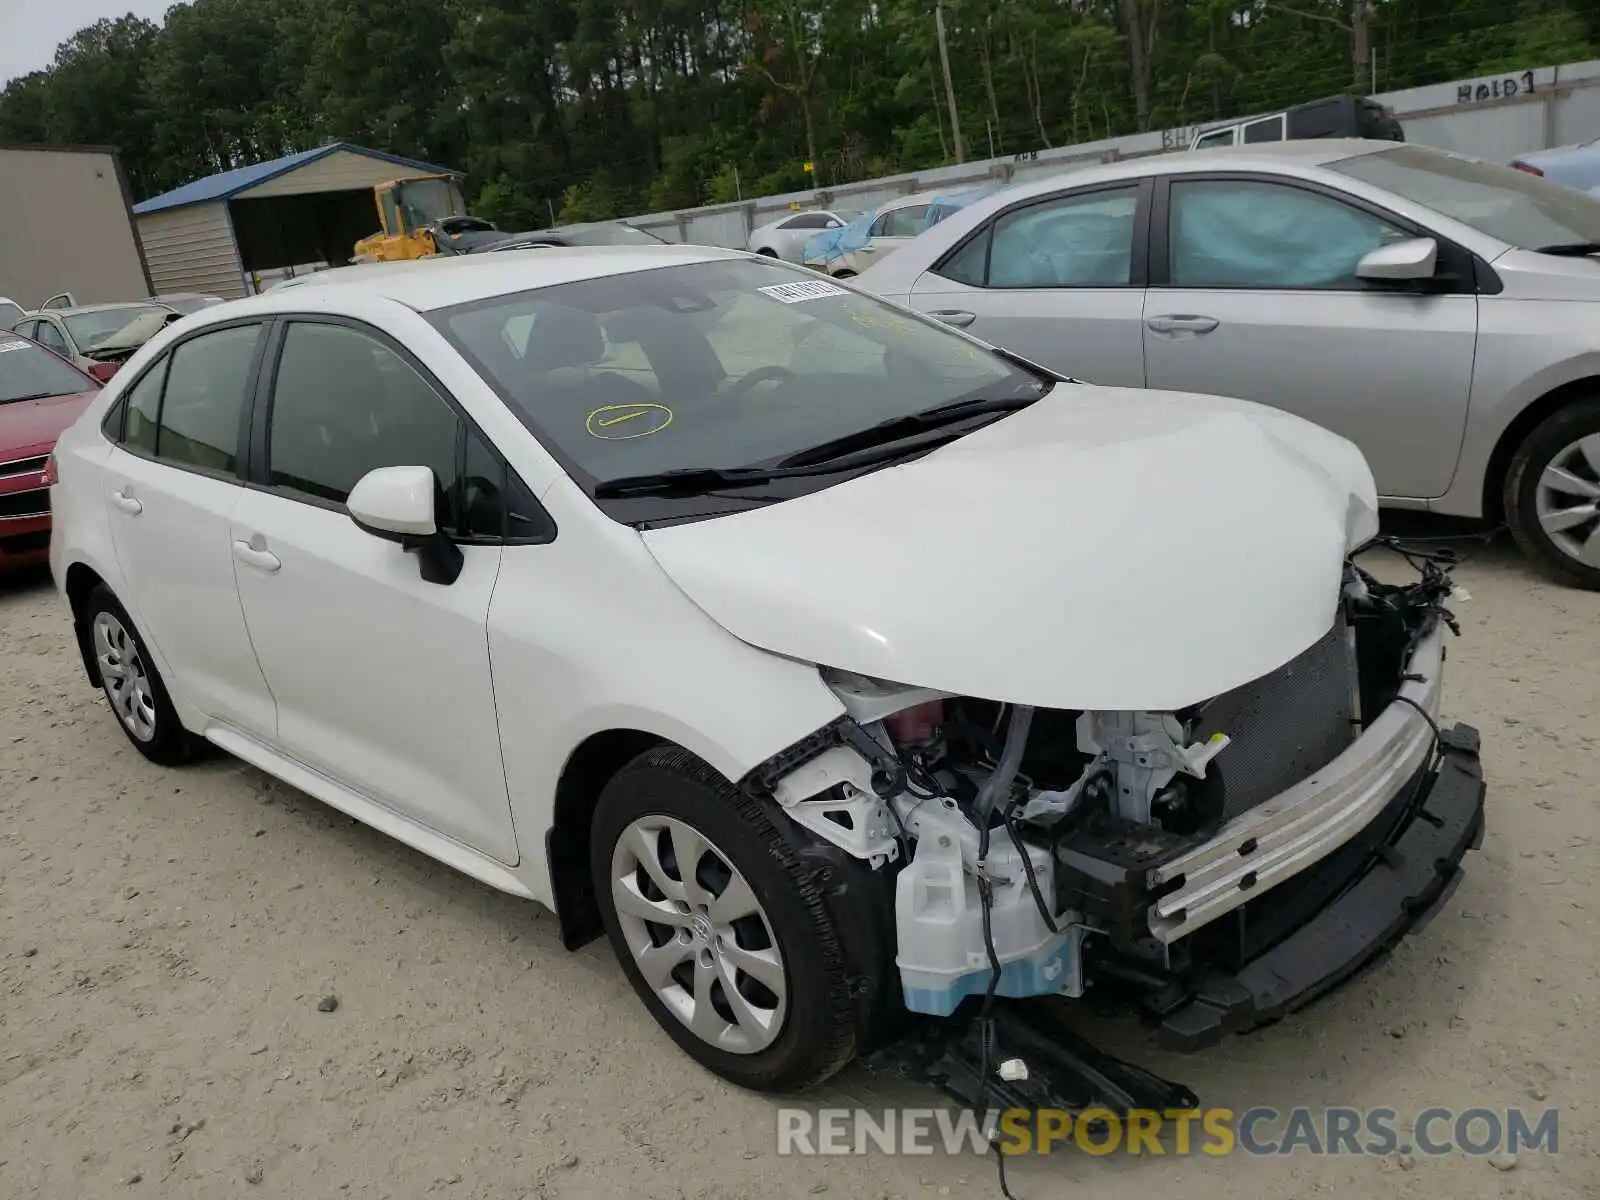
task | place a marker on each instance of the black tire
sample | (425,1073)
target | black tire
(767,252)
(847,273)
(1538,450)
(169,743)
(819,1031)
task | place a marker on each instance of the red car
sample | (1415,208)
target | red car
(41,393)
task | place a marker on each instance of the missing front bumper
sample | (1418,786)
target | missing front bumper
(1277,840)
(1403,882)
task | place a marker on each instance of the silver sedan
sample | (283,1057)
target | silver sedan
(1433,308)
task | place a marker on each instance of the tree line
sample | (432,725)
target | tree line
(582,109)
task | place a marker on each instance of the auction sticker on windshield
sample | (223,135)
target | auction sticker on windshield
(806,289)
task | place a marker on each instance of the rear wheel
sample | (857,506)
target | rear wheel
(1552,495)
(767,252)
(719,927)
(847,273)
(132,684)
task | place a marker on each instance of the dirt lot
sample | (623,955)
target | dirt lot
(165,938)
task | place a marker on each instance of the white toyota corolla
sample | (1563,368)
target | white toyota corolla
(834,664)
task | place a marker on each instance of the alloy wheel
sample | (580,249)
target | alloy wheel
(123,673)
(698,935)
(1567,501)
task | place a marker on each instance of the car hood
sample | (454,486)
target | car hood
(1105,548)
(35,424)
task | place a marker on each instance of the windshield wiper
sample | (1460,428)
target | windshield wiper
(688,480)
(1569,249)
(30,396)
(697,481)
(908,425)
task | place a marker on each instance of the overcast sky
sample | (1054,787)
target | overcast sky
(30,30)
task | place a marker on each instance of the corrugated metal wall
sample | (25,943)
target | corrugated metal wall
(192,250)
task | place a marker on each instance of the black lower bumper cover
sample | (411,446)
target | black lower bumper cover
(1403,887)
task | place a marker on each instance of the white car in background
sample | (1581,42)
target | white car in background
(782,635)
(871,237)
(786,237)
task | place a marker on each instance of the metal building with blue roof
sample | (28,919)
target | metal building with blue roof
(217,234)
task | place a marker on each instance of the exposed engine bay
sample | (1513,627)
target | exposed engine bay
(1033,849)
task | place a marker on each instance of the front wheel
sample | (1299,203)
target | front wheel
(719,927)
(847,273)
(767,252)
(1552,495)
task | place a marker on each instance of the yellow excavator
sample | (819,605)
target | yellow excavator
(421,217)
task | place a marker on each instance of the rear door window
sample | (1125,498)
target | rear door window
(1084,240)
(203,401)
(143,404)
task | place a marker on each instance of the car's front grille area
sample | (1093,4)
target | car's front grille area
(23,466)
(24,543)
(1283,726)
(33,503)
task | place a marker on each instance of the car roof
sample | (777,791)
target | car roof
(1304,152)
(914,198)
(435,282)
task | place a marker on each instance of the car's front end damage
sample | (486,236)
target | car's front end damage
(1216,865)
(1121,709)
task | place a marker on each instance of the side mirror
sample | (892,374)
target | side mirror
(400,504)
(1407,261)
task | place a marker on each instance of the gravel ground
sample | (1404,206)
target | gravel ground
(166,938)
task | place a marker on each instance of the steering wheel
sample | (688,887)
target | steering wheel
(770,374)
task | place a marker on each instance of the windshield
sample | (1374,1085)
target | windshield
(426,200)
(89,329)
(616,234)
(30,372)
(731,363)
(1520,209)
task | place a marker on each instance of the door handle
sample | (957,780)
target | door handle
(254,553)
(954,316)
(124,499)
(1181,323)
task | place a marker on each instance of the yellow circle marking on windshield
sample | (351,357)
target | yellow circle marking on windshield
(618,422)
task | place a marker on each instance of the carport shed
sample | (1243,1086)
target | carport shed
(310,207)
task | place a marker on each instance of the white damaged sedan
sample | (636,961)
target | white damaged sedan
(835,665)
